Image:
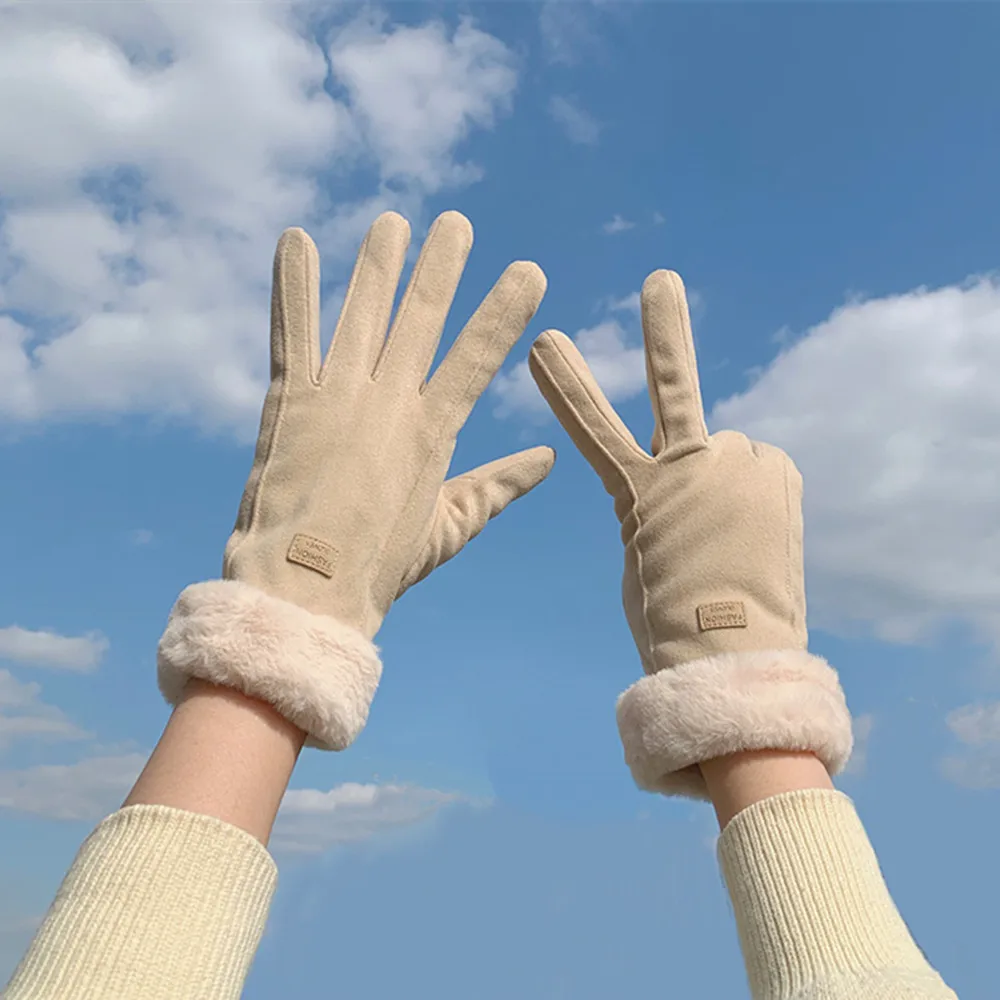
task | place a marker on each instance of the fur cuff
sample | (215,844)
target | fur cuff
(319,674)
(673,720)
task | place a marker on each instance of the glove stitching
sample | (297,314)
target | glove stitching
(691,366)
(790,544)
(272,439)
(312,334)
(625,478)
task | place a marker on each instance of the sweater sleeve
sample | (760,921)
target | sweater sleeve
(160,903)
(815,918)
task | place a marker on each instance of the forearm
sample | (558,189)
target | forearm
(169,896)
(222,754)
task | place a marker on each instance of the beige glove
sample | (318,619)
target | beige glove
(347,504)
(713,586)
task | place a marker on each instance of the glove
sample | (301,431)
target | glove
(713,587)
(347,504)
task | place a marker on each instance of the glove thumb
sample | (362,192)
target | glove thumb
(467,502)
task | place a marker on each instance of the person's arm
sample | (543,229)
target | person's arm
(169,896)
(815,917)
(222,754)
(731,697)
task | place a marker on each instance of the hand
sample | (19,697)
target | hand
(347,504)
(713,586)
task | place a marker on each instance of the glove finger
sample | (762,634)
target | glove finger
(486,340)
(576,399)
(467,502)
(364,318)
(295,308)
(416,332)
(671,366)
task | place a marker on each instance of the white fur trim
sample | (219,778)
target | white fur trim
(318,673)
(787,699)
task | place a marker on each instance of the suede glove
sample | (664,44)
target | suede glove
(347,504)
(713,586)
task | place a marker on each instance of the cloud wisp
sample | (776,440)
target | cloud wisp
(579,126)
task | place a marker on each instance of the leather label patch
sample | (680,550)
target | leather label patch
(313,553)
(722,614)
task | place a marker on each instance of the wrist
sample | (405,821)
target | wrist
(222,754)
(316,671)
(738,780)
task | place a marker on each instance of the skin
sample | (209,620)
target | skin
(226,755)
(222,754)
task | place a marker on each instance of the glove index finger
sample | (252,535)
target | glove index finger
(570,388)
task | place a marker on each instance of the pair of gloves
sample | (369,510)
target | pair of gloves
(347,506)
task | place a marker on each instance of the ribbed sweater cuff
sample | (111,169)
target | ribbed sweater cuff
(810,900)
(160,903)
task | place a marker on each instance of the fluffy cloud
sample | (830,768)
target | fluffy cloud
(616,358)
(24,715)
(579,126)
(311,821)
(49,649)
(170,145)
(890,410)
(417,92)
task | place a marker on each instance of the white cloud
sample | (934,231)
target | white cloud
(579,126)
(618,365)
(310,821)
(658,219)
(23,714)
(173,143)
(618,224)
(978,727)
(516,393)
(49,649)
(88,790)
(889,409)
(140,536)
(417,93)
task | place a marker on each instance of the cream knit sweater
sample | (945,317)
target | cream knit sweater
(163,904)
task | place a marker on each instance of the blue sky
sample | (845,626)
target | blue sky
(823,177)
